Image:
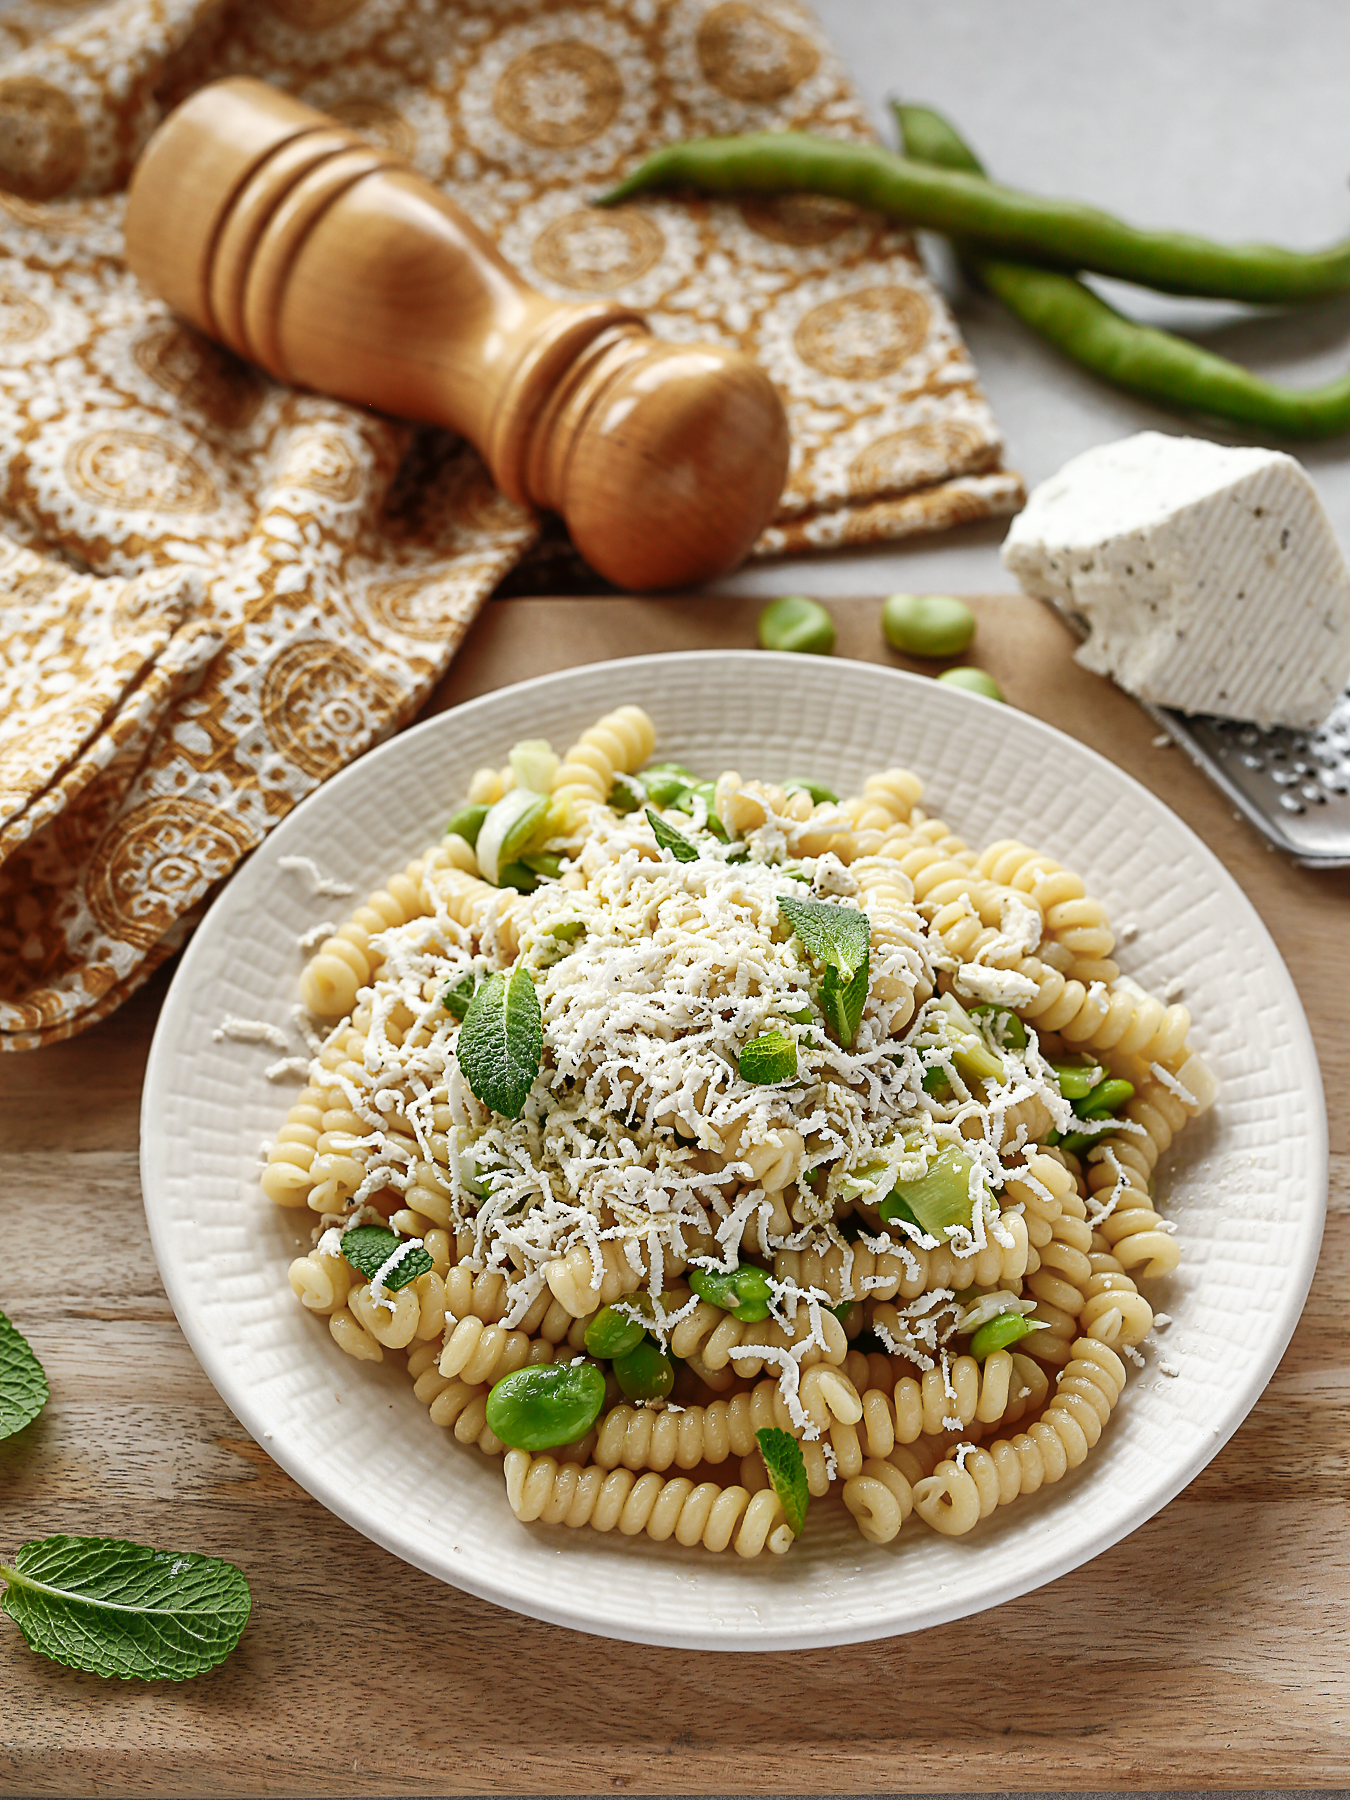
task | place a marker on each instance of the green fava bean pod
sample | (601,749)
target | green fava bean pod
(974,681)
(1141,358)
(1002,220)
(612,1333)
(796,623)
(644,1373)
(546,1404)
(927,624)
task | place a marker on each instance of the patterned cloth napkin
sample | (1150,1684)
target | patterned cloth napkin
(215,591)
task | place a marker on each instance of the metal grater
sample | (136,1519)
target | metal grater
(1294,786)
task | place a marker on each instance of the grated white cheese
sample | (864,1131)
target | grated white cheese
(1173,1086)
(288,1068)
(323,886)
(1003,987)
(398,1254)
(250,1031)
(640,1140)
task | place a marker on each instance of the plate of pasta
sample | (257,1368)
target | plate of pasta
(764,1151)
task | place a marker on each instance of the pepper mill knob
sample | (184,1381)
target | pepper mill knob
(334,265)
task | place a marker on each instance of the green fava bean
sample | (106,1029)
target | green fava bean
(998,1334)
(796,623)
(612,1333)
(1076,1080)
(546,1404)
(927,624)
(645,1373)
(974,681)
(743,1292)
(1108,1097)
(467,823)
(818,793)
(667,783)
(1007,1029)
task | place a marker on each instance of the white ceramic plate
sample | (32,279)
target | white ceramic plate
(1246,1188)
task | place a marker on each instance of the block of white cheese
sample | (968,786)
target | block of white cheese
(1207,578)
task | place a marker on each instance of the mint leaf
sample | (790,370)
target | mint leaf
(114,1608)
(501,1042)
(769,1059)
(457,996)
(818,792)
(23,1384)
(842,1002)
(369,1247)
(787,1473)
(839,936)
(670,839)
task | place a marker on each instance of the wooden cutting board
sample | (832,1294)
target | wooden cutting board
(1207,1650)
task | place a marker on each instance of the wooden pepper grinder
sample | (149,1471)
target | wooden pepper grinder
(335,266)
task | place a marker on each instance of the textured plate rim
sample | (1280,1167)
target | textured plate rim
(177,1012)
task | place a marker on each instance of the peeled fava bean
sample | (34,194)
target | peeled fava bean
(927,624)
(544,1405)
(796,623)
(975,681)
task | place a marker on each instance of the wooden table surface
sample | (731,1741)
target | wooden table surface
(1207,1650)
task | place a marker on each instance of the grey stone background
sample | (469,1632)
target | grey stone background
(1228,117)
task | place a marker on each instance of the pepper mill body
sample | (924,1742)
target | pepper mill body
(335,266)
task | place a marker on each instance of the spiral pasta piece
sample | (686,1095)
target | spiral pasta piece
(810,829)
(493,917)
(855,1272)
(887,896)
(715,1338)
(880,1499)
(484,1353)
(1059,1284)
(1118,1169)
(888,799)
(940,866)
(617,744)
(348,961)
(773,1154)
(539,1487)
(958,1495)
(577,1284)
(639,1438)
(286,1179)
(1072,917)
(321,1282)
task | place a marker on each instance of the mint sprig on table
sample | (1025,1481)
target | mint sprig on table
(501,1042)
(114,1608)
(369,1247)
(103,1605)
(23,1382)
(839,937)
(787,1473)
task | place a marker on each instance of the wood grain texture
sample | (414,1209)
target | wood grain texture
(1207,1650)
(331,262)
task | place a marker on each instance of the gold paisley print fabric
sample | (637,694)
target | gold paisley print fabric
(215,591)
